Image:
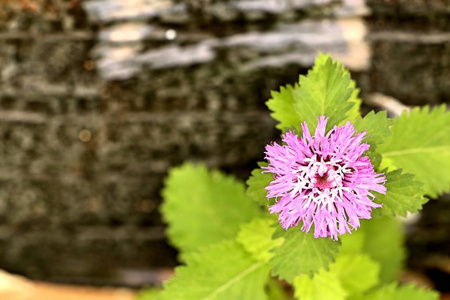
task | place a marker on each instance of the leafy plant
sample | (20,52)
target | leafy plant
(234,249)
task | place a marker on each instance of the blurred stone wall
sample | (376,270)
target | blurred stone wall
(78,186)
(99,98)
(410,41)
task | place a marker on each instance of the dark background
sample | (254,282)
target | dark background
(98,99)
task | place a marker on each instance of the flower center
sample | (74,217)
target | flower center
(319,175)
(324,175)
(322,182)
(319,180)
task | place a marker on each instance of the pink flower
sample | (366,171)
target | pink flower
(322,180)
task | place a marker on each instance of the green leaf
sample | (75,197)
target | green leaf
(256,237)
(378,129)
(301,253)
(282,105)
(326,90)
(357,273)
(420,145)
(377,126)
(257,186)
(403,195)
(204,207)
(383,242)
(352,243)
(323,286)
(349,275)
(220,272)
(354,112)
(394,292)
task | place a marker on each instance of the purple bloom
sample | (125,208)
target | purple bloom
(322,180)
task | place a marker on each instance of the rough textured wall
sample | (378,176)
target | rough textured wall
(69,210)
(99,98)
(411,49)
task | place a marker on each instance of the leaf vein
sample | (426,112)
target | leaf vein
(233,280)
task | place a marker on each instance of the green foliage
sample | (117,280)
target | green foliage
(377,126)
(384,243)
(223,271)
(323,286)
(354,113)
(382,240)
(403,195)
(204,207)
(349,275)
(357,273)
(256,237)
(326,90)
(394,292)
(353,243)
(420,145)
(301,253)
(257,185)
(282,105)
